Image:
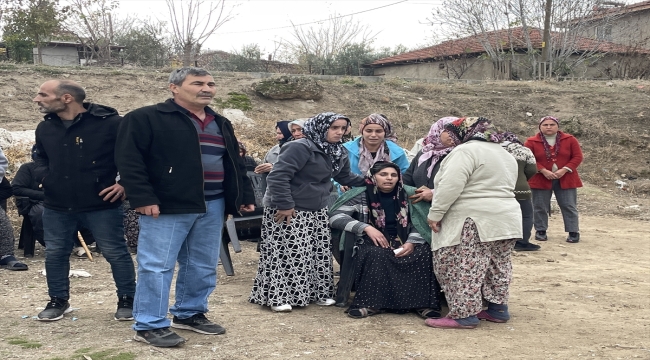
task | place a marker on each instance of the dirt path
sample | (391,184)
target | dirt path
(568,301)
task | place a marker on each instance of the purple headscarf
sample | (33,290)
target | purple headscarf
(433,149)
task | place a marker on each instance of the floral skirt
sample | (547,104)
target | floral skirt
(295,266)
(473,271)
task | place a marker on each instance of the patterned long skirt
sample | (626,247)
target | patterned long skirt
(384,281)
(473,271)
(295,266)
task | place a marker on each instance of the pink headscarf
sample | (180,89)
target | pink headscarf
(433,149)
(366,160)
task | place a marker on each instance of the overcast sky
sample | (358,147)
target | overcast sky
(259,21)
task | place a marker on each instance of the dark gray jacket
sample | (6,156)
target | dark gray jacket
(417,175)
(301,178)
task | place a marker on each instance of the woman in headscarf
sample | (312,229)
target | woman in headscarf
(426,163)
(295,127)
(295,266)
(282,135)
(376,143)
(471,241)
(558,156)
(393,268)
(527,167)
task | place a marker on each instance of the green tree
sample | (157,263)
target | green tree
(31,23)
(146,44)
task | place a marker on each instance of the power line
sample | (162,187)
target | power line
(314,22)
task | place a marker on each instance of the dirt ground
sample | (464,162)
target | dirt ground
(568,301)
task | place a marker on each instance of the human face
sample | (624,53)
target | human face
(296,132)
(336,130)
(446,140)
(241,152)
(278,134)
(47,100)
(386,179)
(373,134)
(196,92)
(549,127)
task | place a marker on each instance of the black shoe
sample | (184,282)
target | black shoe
(526,246)
(159,337)
(124,308)
(198,323)
(541,236)
(574,237)
(54,310)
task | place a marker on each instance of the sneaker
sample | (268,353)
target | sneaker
(541,236)
(574,237)
(198,323)
(124,308)
(79,251)
(159,337)
(282,308)
(526,246)
(326,302)
(54,310)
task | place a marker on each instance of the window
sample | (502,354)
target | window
(604,32)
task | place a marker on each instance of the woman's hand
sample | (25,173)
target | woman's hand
(282,215)
(434,225)
(549,174)
(377,237)
(263,168)
(407,249)
(561,172)
(344,188)
(422,193)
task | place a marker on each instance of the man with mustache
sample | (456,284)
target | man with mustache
(75,147)
(179,163)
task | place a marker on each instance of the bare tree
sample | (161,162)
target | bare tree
(92,23)
(318,46)
(193,22)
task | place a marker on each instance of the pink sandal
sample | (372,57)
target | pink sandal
(447,323)
(484,315)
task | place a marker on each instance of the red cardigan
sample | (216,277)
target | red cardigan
(570,155)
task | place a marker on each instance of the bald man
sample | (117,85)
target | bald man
(75,147)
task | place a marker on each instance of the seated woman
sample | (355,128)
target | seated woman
(393,264)
(7,259)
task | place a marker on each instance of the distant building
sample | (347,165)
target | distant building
(65,53)
(466,58)
(625,24)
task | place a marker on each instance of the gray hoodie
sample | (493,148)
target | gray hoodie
(300,179)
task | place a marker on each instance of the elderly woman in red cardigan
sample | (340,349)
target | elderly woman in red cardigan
(558,156)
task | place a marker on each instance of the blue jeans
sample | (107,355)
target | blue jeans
(194,241)
(60,229)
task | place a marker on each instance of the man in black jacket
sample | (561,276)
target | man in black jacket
(179,163)
(75,152)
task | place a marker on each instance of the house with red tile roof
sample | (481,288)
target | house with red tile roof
(627,25)
(469,57)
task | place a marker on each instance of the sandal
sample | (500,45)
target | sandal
(427,313)
(361,313)
(15,265)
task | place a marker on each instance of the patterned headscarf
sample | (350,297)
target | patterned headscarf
(550,155)
(316,128)
(284,128)
(432,146)
(366,160)
(472,128)
(511,143)
(376,212)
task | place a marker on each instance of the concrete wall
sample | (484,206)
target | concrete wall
(58,56)
(471,69)
(631,30)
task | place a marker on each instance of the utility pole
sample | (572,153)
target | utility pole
(546,39)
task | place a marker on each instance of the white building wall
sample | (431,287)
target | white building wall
(58,56)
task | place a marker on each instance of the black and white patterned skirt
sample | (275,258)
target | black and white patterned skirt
(295,266)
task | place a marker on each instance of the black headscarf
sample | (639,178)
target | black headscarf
(376,213)
(284,128)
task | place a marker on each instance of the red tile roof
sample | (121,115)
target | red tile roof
(472,45)
(617,11)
